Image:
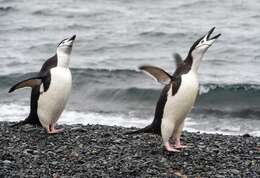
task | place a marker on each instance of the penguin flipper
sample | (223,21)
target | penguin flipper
(178,59)
(31,82)
(156,73)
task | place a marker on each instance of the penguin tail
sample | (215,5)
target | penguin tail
(28,120)
(21,123)
(147,129)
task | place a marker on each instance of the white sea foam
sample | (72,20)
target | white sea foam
(73,117)
(14,112)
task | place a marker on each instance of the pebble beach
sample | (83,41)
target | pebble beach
(104,151)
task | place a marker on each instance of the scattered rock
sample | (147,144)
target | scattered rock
(103,151)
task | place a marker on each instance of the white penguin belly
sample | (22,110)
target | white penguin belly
(52,102)
(178,106)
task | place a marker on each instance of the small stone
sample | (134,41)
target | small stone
(246,135)
(186,153)
(54,162)
(163,160)
(234,171)
(219,176)
(74,154)
(28,151)
(80,129)
(7,162)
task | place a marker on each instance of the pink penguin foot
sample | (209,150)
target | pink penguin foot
(53,130)
(181,146)
(169,148)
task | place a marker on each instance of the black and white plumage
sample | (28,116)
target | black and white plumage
(179,94)
(51,88)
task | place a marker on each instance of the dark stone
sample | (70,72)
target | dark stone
(246,135)
(103,151)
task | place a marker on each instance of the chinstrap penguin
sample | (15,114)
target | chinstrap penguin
(179,94)
(51,88)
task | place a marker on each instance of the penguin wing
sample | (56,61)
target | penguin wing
(156,73)
(32,82)
(178,59)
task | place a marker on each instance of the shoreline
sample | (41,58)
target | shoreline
(103,151)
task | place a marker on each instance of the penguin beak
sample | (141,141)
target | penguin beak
(72,38)
(210,40)
(209,33)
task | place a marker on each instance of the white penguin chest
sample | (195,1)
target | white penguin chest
(60,85)
(52,102)
(178,106)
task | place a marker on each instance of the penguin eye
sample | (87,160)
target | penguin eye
(202,41)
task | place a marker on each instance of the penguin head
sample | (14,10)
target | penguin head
(199,48)
(65,46)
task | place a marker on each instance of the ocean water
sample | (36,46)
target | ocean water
(114,37)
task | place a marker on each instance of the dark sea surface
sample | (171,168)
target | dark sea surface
(114,37)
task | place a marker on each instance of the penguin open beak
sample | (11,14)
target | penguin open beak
(209,33)
(72,38)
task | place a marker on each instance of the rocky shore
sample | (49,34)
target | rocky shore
(104,151)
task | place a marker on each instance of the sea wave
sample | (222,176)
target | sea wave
(246,113)
(206,88)
(103,76)
(124,90)
(42,12)
(161,34)
(7,9)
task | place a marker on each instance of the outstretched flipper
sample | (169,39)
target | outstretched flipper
(31,82)
(178,59)
(157,73)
